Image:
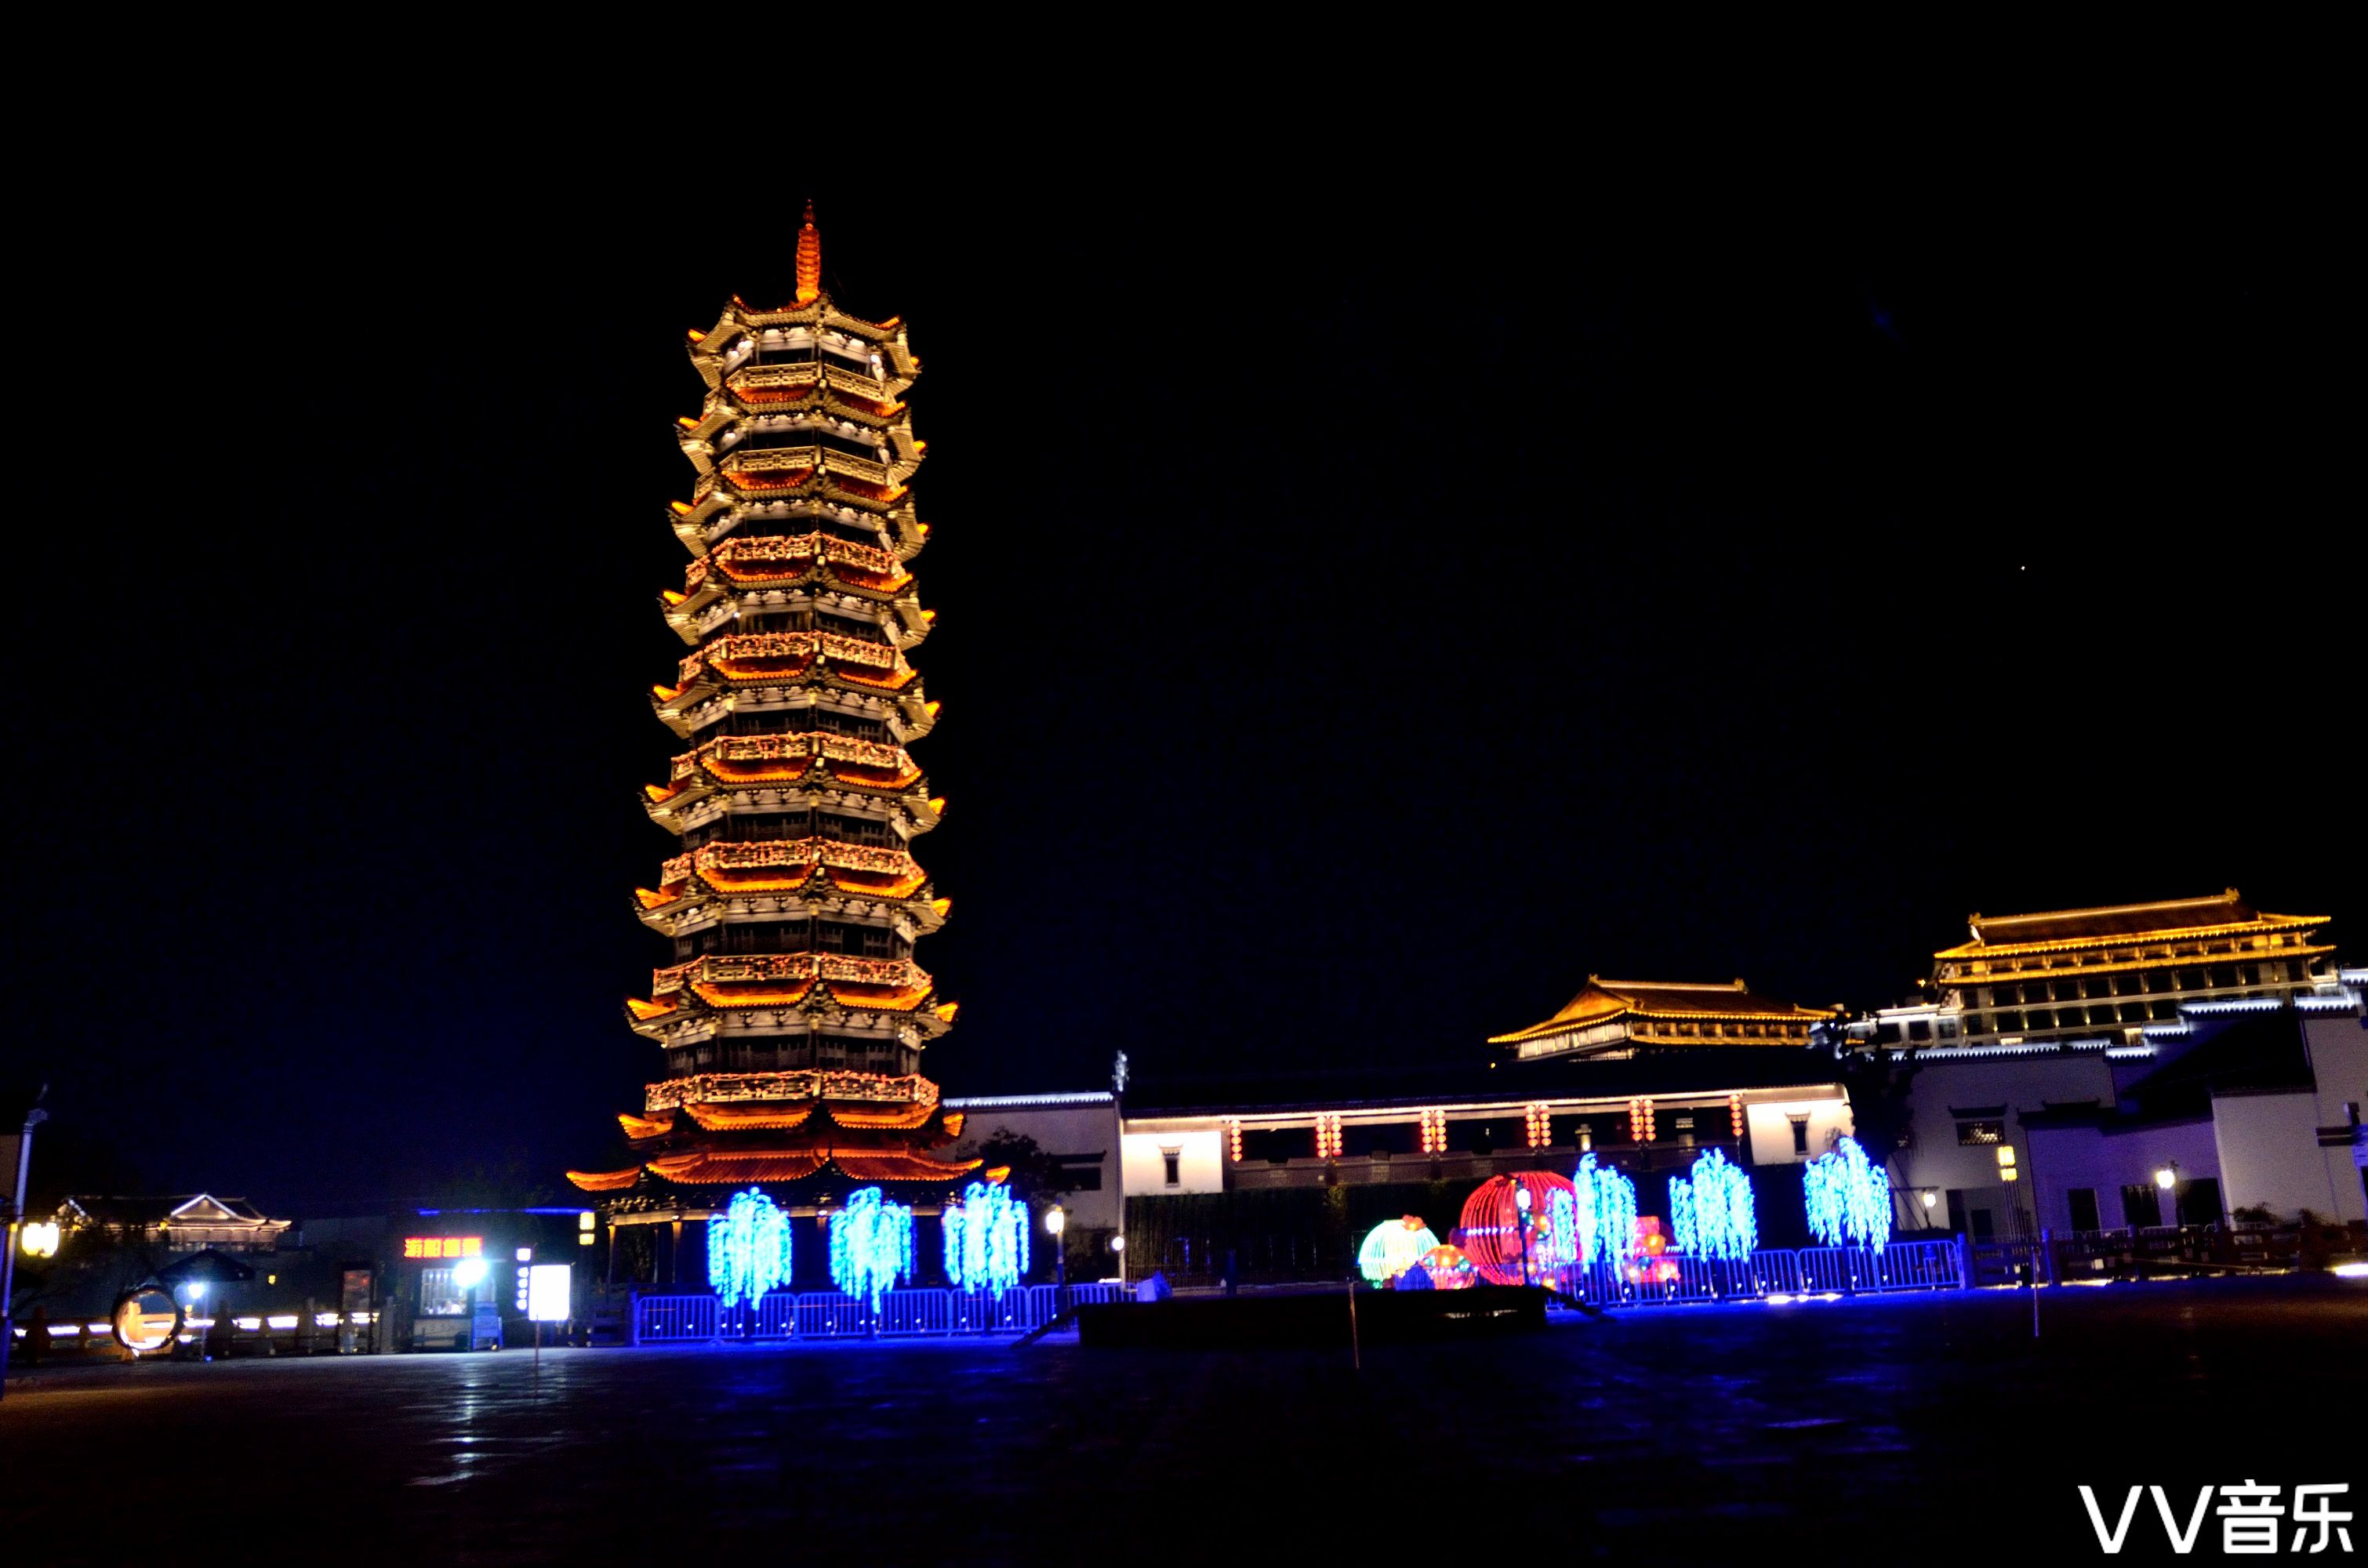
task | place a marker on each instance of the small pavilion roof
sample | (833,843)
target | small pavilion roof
(1603,1001)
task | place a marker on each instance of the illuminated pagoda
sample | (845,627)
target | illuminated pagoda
(791,1022)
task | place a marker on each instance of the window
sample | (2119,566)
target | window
(2141,1205)
(1948,1028)
(1920,1029)
(1977,1133)
(2083,1200)
(1171,1162)
(1801,1135)
(441,1295)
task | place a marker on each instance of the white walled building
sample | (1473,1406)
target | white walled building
(1079,1130)
(2249,1103)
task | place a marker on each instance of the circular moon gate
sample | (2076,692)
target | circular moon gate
(147,1319)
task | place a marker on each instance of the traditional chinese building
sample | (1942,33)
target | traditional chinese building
(1611,1019)
(789,1026)
(186,1224)
(2074,974)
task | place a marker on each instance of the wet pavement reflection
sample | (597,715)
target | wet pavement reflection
(1803,1425)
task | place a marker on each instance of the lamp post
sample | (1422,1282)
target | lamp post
(8,1238)
(1118,1249)
(1521,1205)
(1056,1219)
(2166,1180)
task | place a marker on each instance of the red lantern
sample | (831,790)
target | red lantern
(1490,1229)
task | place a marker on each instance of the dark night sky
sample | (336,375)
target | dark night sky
(1361,617)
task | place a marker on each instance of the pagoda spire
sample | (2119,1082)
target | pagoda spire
(809,260)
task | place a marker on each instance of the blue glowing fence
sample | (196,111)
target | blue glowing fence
(1902,1266)
(827,1315)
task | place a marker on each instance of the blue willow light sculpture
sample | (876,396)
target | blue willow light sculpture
(1606,1217)
(1848,1199)
(747,1249)
(871,1245)
(985,1239)
(1718,1208)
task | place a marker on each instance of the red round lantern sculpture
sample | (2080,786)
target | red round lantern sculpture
(1493,1220)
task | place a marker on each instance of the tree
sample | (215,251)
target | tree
(1035,1174)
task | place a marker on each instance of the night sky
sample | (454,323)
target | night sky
(1361,617)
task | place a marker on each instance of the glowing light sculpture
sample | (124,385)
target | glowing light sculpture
(747,1249)
(1393,1246)
(1504,1238)
(985,1239)
(1711,1210)
(1681,1213)
(1848,1199)
(1447,1268)
(1606,1218)
(871,1245)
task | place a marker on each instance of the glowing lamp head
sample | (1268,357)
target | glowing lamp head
(2167,1177)
(1929,1199)
(1521,1199)
(40,1239)
(1056,1219)
(1117,1243)
(468,1273)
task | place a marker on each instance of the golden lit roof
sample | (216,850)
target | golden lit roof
(2168,919)
(1603,1001)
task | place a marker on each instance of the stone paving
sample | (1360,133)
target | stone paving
(1934,1427)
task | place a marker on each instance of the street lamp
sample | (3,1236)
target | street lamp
(1118,1247)
(1056,1219)
(14,1218)
(1522,1203)
(2167,1177)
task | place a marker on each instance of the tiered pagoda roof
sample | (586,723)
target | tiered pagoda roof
(793,1019)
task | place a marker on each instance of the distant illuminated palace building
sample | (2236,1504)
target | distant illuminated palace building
(2074,973)
(1611,1018)
(789,1025)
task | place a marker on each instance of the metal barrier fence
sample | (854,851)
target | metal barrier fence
(828,1314)
(1902,1266)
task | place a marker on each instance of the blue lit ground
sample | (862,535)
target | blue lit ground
(1912,1429)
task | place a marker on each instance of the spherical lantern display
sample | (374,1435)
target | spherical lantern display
(1495,1219)
(1392,1247)
(1447,1268)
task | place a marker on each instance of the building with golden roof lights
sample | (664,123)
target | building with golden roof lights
(2071,973)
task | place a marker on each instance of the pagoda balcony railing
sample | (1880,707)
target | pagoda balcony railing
(795,852)
(789,748)
(804,460)
(751,381)
(726,1088)
(790,645)
(740,968)
(794,547)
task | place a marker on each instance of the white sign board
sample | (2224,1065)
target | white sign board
(551,1292)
